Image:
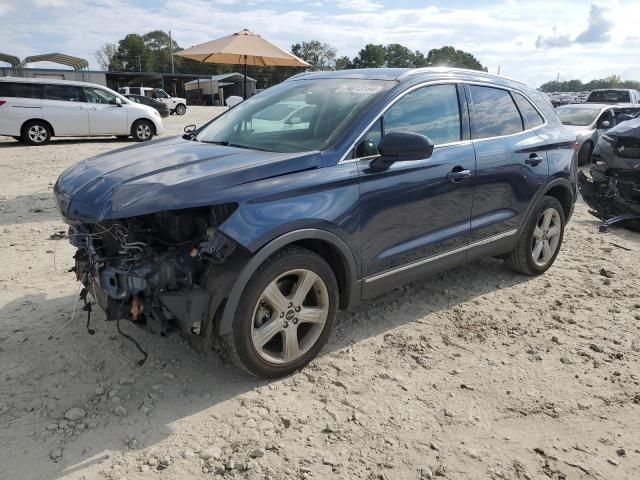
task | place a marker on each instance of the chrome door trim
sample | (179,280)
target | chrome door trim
(433,258)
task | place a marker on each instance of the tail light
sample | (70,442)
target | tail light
(576,147)
(2,102)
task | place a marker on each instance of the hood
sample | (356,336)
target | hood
(630,128)
(166,174)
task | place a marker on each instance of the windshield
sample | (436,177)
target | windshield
(294,116)
(609,96)
(572,115)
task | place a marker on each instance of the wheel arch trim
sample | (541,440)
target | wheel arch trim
(226,320)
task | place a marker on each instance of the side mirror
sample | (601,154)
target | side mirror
(189,132)
(118,101)
(605,124)
(402,147)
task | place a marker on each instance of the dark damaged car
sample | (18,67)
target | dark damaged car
(330,188)
(612,188)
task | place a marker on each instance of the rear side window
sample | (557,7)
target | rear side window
(432,111)
(19,90)
(495,114)
(68,93)
(529,114)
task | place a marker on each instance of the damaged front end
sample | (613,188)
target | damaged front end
(153,269)
(612,188)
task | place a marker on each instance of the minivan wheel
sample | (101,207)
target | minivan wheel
(142,130)
(541,239)
(287,312)
(36,132)
(181,109)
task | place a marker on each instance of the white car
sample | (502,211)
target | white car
(176,105)
(34,110)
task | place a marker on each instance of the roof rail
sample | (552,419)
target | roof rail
(416,71)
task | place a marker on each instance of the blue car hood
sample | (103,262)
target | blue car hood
(167,174)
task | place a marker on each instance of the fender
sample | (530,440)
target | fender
(226,320)
(563,182)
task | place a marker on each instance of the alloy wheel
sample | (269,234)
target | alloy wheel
(37,133)
(143,131)
(181,109)
(289,317)
(546,237)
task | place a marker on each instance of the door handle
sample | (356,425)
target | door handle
(80,107)
(92,108)
(534,160)
(458,174)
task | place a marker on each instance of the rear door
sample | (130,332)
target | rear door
(19,102)
(106,117)
(511,160)
(64,107)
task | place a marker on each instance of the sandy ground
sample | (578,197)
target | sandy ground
(477,373)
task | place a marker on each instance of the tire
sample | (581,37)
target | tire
(142,130)
(36,132)
(271,299)
(181,109)
(521,259)
(584,155)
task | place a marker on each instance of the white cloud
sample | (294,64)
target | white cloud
(359,5)
(502,34)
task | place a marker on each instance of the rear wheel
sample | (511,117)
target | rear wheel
(142,130)
(36,132)
(286,316)
(181,109)
(584,155)
(541,239)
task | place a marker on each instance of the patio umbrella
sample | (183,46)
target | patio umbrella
(243,48)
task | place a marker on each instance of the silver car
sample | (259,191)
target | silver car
(588,121)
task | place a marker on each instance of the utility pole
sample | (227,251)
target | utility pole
(139,64)
(498,69)
(171,51)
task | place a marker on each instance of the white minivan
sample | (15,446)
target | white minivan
(33,110)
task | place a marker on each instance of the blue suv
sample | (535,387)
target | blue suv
(330,188)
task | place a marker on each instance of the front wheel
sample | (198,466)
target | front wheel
(142,130)
(287,312)
(181,109)
(540,240)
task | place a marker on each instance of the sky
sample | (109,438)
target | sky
(532,41)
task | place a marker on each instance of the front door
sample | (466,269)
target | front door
(511,161)
(106,117)
(417,211)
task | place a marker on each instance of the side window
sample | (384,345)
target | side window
(135,91)
(19,90)
(432,111)
(68,93)
(529,114)
(97,95)
(495,114)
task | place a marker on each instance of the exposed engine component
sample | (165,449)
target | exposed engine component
(149,269)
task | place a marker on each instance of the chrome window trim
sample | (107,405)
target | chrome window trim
(467,71)
(469,102)
(501,87)
(438,256)
(387,107)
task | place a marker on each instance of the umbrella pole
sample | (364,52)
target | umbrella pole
(244,86)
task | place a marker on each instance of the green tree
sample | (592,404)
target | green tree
(321,56)
(450,57)
(343,63)
(396,55)
(419,60)
(371,56)
(133,54)
(159,52)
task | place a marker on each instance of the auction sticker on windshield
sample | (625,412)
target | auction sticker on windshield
(359,88)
